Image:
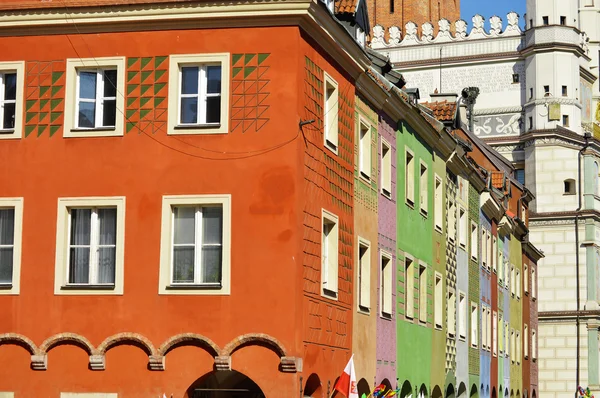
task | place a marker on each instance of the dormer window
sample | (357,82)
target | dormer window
(360,36)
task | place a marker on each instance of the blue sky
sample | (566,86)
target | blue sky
(489,8)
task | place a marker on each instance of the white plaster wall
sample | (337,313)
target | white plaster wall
(556,271)
(557,350)
(554,9)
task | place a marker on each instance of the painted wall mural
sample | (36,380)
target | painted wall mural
(250,92)
(492,125)
(44,97)
(146,106)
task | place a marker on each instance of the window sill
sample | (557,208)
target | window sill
(8,134)
(197,126)
(475,347)
(462,338)
(95,132)
(424,213)
(410,203)
(191,286)
(438,229)
(87,287)
(7,131)
(386,316)
(364,310)
(331,146)
(191,129)
(365,177)
(6,286)
(386,193)
(329,294)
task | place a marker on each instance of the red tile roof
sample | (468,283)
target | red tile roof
(345,6)
(442,110)
(498,179)
(44,4)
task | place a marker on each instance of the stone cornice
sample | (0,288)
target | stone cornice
(498,111)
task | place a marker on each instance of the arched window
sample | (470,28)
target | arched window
(569,187)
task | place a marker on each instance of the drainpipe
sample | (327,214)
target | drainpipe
(579,155)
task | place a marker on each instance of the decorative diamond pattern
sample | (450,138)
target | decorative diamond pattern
(44,97)
(249,91)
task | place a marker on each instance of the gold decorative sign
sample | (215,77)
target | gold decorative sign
(554,112)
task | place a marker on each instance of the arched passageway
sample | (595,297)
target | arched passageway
(224,384)
(363,388)
(313,387)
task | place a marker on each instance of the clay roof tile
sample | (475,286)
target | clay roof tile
(443,110)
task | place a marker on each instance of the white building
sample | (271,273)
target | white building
(539,95)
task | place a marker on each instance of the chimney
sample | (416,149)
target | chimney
(439,97)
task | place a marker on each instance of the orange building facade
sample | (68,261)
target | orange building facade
(169,203)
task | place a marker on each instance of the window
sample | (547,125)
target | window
(451,221)
(463,227)
(506,339)
(198,94)
(474,325)
(533,283)
(451,313)
(533,345)
(484,249)
(474,235)
(484,326)
(515,78)
(563,20)
(494,254)
(422,293)
(520,175)
(530,122)
(12,83)
(569,187)
(195,245)
(364,150)
(331,113)
(501,334)
(89,246)
(329,255)
(501,265)
(439,299)
(565,120)
(564,91)
(410,287)
(525,279)
(518,283)
(385,291)
(507,276)
(364,275)
(531,23)
(526,341)
(495,334)
(530,93)
(95,96)
(462,315)
(386,168)
(391,6)
(512,280)
(11,226)
(488,332)
(488,248)
(518,341)
(513,346)
(439,203)
(409,178)
(545,20)
(546,91)
(423,187)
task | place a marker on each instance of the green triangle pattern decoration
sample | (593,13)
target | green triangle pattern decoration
(250,91)
(146,104)
(44,104)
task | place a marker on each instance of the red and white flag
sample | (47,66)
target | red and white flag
(346,384)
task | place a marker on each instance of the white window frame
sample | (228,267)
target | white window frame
(330,244)
(70,129)
(61,285)
(386,285)
(386,169)
(409,177)
(17,204)
(165,287)
(363,294)
(462,224)
(451,303)
(494,254)
(409,286)
(500,334)
(488,244)
(488,336)
(331,110)
(175,63)
(17,67)
(4,394)
(88,395)
(533,283)
(474,240)
(422,292)
(512,280)
(451,220)
(484,326)
(423,188)
(462,315)
(98,100)
(518,341)
(474,325)
(494,333)
(439,300)
(533,345)
(364,149)
(439,203)
(484,248)
(506,339)
(526,279)
(513,345)
(526,341)
(501,275)
(518,283)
